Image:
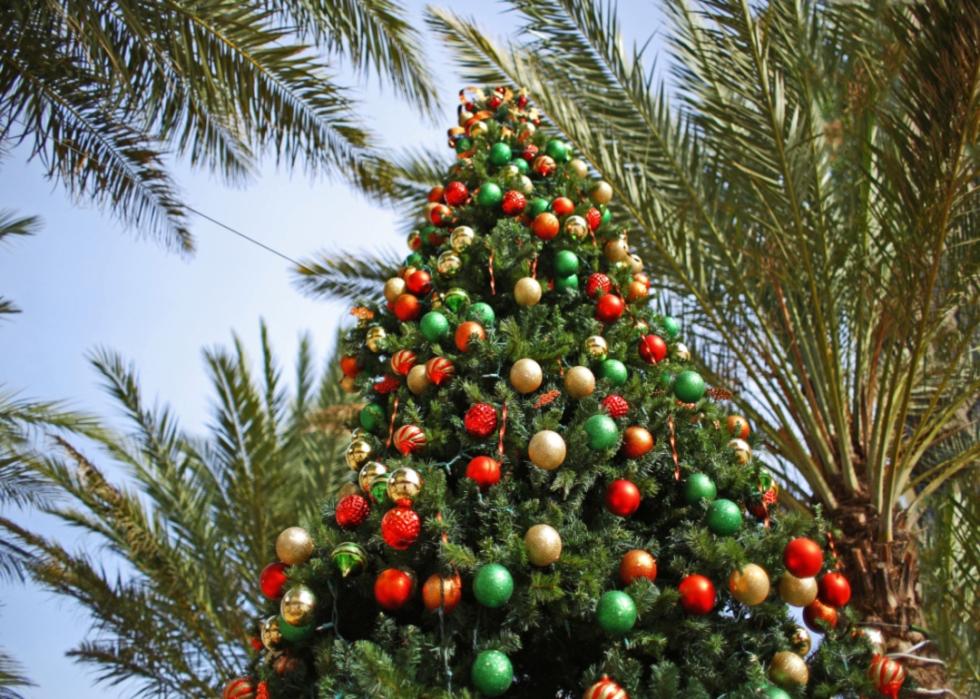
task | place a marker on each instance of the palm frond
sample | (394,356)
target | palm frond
(345,276)
(11,677)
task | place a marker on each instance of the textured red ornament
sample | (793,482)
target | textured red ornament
(562,206)
(400,527)
(530,152)
(835,590)
(262,691)
(352,510)
(697,594)
(480,420)
(349,366)
(466,331)
(436,194)
(888,675)
(439,370)
(272,579)
(456,193)
(389,384)
(393,588)
(597,284)
(616,406)
(545,225)
(402,361)
(409,439)
(442,591)
(594,218)
(484,471)
(609,308)
(513,203)
(419,282)
(239,688)
(818,611)
(803,557)
(605,688)
(653,349)
(406,307)
(622,497)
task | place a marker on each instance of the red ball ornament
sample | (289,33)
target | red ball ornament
(622,497)
(616,406)
(545,225)
(393,588)
(637,441)
(352,510)
(419,282)
(818,611)
(465,333)
(484,471)
(440,214)
(562,206)
(609,308)
(439,370)
(456,193)
(389,384)
(803,557)
(480,420)
(239,688)
(887,674)
(349,366)
(400,527)
(409,439)
(402,361)
(513,203)
(653,349)
(436,193)
(697,594)
(407,307)
(835,590)
(256,643)
(272,579)
(605,688)
(597,284)
(530,152)
(594,218)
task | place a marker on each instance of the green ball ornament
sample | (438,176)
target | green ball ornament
(689,387)
(538,205)
(372,416)
(490,194)
(774,692)
(566,262)
(521,165)
(616,612)
(558,150)
(569,282)
(434,326)
(613,371)
(724,517)
(698,487)
(500,154)
(463,144)
(493,585)
(672,326)
(295,634)
(601,432)
(482,314)
(492,673)
(456,298)
(606,215)
(349,558)
(414,259)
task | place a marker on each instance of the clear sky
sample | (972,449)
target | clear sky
(84,283)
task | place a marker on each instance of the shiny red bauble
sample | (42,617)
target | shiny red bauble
(622,497)
(466,332)
(407,307)
(393,588)
(419,282)
(803,557)
(400,527)
(436,193)
(597,284)
(835,590)
(818,611)
(389,384)
(562,206)
(480,420)
(637,441)
(609,308)
(349,366)
(594,218)
(484,471)
(272,579)
(440,214)
(545,225)
(352,510)
(615,406)
(697,594)
(456,193)
(653,349)
(513,203)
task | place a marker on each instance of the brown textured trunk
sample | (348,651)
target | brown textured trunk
(884,580)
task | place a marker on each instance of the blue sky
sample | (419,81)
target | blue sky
(84,283)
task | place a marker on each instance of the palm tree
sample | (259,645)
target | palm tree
(10,226)
(103,93)
(194,521)
(804,190)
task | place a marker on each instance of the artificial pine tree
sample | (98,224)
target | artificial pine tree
(546,499)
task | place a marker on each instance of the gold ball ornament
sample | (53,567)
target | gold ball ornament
(374,337)
(743,452)
(404,484)
(801,641)
(524,185)
(508,172)
(602,193)
(526,376)
(546,450)
(579,382)
(294,546)
(579,167)
(680,352)
(298,606)
(348,385)
(543,545)
(617,250)
(750,585)
(461,238)
(576,227)
(478,128)
(394,288)
(527,292)
(797,592)
(270,635)
(596,347)
(636,263)
(358,453)
(448,263)
(787,669)
(368,473)
(418,380)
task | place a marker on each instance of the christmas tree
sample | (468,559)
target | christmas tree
(546,499)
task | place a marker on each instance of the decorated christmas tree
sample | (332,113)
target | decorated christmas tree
(545,500)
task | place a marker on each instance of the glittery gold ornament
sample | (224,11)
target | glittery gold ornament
(527,291)
(524,185)
(576,227)
(294,546)
(546,450)
(680,352)
(375,335)
(448,263)
(750,585)
(368,473)
(508,172)
(526,375)
(404,484)
(298,605)
(743,452)
(798,592)
(801,641)
(543,545)
(478,128)
(579,382)
(394,288)
(358,452)
(461,238)
(602,192)
(270,635)
(787,669)
(596,347)
(617,250)
(418,380)
(578,167)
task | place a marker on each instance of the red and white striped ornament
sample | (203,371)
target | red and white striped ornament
(402,361)
(887,674)
(605,688)
(239,688)
(409,439)
(439,370)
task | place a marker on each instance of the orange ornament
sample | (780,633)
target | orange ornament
(637,441)
(407,307)
(349,366)
(562,206)
(818,611)
(545,225)
(436,193)
(637,291)
(465,333)
(637,564)
(442,591)
(738,426)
